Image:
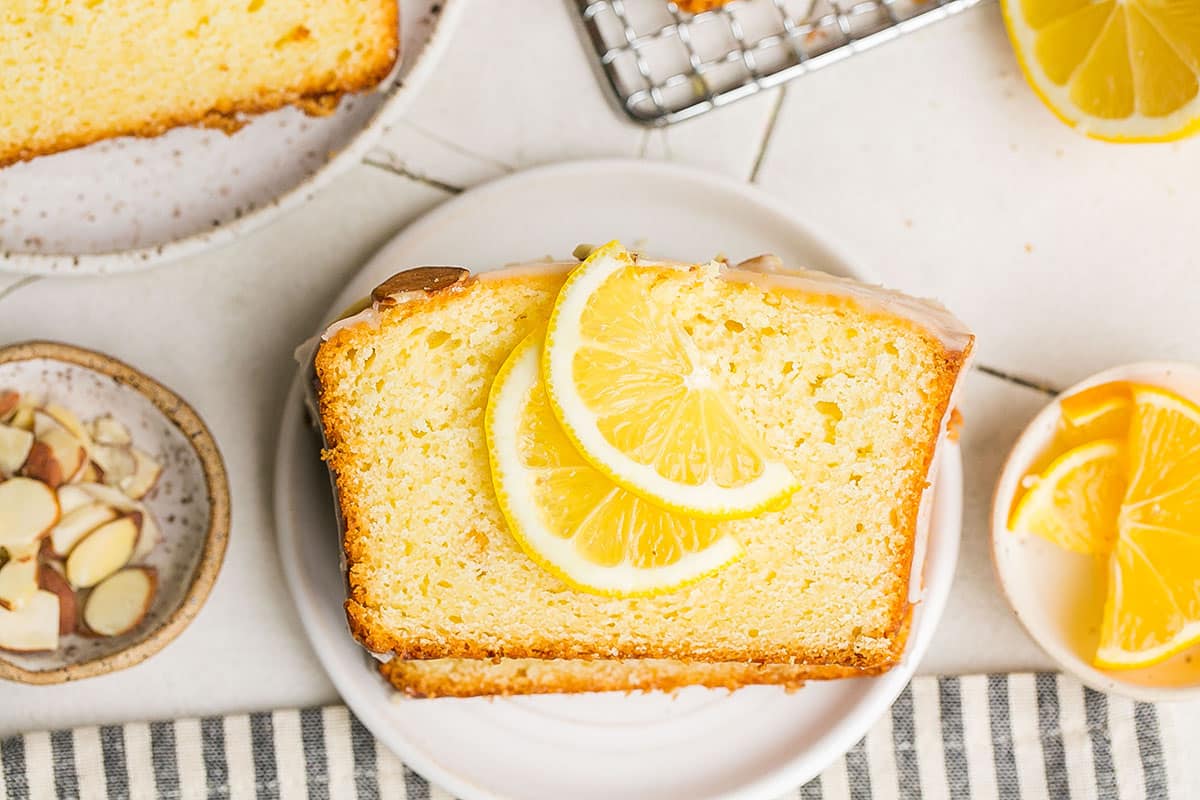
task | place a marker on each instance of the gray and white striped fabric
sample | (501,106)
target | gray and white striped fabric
(1008,737)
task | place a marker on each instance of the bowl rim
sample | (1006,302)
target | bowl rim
(185,418)
(1001,508)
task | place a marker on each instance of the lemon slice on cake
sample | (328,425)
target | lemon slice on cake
(571,519)
(1153,605)
(1119,70)
(635,396)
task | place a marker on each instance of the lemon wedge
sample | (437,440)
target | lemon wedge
(1075,501)
(635,396)
(570,518)
(1153,606)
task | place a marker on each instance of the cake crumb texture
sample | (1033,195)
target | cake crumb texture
(78,71)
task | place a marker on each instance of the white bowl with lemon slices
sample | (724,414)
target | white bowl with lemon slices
(1096,530)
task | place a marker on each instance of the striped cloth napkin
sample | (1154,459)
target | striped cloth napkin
(1009,737)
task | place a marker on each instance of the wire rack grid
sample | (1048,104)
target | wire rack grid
(666,65)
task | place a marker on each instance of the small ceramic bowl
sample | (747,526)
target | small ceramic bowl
(1057,594)
(190,500)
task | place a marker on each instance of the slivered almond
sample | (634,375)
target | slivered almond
(116,463)
(148,538)
(15,445)
(71,496)
(22,417)
(34,628)
(50,579)
(106,430)
(103,551)
(76,524)
(70,423)
(28,510)
(9,400)
(55,458)
(118,604)
(145,475)
(18,583)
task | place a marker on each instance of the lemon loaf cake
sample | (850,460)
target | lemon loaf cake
(849,385)
(76,71)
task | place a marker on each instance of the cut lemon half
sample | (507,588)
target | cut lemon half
(1119,70)
(570,518)
(1153,605)
(634,395)
(1075,501)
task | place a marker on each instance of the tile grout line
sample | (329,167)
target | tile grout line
(1017,380)
(387,165)
(458,148)
(760,156)
(28,280)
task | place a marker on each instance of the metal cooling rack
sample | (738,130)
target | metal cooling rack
(666,65)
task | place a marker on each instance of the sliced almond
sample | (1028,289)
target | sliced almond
(18,583)
(22,417)
(145,475)
(72,496)
(24,551)
(90,473)
(111,495)
(116,463)
(148,538)
(76,524)
(106,430)
(28,510)
(43,423)
(55,458)
(50,579)
(103,551)
(15,445)
(120,603)
(9,400)
(71,423)
(32,629)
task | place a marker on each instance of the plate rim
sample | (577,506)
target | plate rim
(940,565)
(399,93)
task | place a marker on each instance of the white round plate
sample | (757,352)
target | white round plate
(755,743)
(1052,589)
(127,204)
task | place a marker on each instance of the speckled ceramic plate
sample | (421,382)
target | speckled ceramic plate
(190,502)
(127,204)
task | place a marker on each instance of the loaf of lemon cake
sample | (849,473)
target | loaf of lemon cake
(848,384)
(77,71)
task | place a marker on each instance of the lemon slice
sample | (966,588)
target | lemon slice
(571,519)
(1120,70)
(634,395)
(1105,404)
(1075,501)
(1153,605)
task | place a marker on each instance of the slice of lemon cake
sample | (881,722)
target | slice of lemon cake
(76,72)
(845,386)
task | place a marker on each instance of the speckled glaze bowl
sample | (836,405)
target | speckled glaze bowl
(190,501)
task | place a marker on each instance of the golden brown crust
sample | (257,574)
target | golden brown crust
(485,678)
(315,95)
(365,625)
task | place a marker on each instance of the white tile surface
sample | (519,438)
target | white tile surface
(928,159)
